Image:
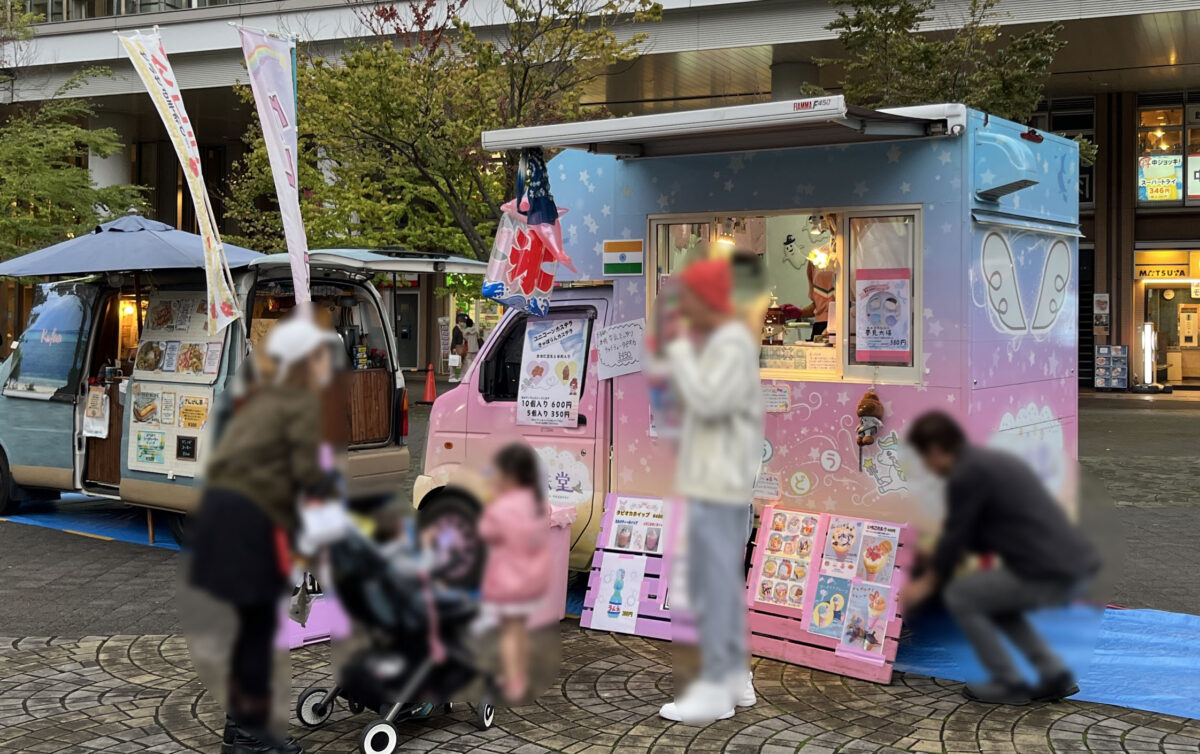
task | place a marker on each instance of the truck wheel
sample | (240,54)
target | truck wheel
(10,497)
(454,518)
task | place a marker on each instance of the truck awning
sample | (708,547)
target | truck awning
(768,125)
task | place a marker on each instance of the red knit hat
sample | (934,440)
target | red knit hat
(712,281)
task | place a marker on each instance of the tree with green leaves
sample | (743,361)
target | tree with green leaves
(391,129)
(46,192)
(889,62)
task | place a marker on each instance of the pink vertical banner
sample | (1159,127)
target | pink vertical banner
(269,63)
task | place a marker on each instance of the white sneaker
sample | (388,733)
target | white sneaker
(702,703)
(452,379)
(743,690)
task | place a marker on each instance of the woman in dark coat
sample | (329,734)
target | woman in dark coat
(264,465)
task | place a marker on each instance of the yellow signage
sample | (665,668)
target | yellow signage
(1166,265)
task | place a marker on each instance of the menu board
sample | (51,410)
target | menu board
(809,358)
(834,574)
(1112,367)
(175,345)
(637,525)
(168,426)
(788,558)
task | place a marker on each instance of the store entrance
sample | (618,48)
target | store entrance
(1174,310)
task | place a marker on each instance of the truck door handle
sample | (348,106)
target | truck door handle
(582,420)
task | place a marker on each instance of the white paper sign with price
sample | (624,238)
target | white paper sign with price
(620,348)
(552,364)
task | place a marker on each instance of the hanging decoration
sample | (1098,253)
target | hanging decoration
(528,245)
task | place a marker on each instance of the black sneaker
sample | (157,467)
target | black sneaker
(1056,688)
(998,692)
(256,741)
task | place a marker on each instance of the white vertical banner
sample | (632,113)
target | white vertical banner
(269,62)
(150,60)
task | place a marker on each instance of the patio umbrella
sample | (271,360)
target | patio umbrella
(128,244)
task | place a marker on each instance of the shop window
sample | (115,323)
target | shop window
(881,281)
(1161,144)
(49,359)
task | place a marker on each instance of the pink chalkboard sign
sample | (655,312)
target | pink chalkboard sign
(822,591)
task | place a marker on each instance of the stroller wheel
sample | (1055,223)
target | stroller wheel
(312,708)
(380,737)
(355,707)
(485,714)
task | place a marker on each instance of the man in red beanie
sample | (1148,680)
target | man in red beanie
(714,370)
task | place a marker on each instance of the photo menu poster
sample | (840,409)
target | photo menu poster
(783,559)
(175,344)
(168,425)
(637,525)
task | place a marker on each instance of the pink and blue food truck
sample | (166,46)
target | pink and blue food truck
(935,246)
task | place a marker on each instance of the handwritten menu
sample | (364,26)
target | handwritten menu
(619,348)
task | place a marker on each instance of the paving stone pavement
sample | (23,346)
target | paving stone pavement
(95,664)
(130,693)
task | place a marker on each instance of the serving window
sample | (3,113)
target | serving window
(841,286)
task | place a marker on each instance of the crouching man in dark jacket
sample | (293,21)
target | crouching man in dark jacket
(995,504)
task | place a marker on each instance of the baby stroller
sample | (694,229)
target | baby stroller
(417,657)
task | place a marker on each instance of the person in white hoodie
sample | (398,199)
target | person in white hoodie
(714,372)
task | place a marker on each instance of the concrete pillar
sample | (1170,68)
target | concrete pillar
(789,77)
(117,168)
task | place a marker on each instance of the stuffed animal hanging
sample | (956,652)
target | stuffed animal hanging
(870,419)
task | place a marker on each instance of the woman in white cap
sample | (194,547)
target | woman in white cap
(265,462)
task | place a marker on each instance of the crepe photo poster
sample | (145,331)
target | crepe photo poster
(883,315)
(552,363)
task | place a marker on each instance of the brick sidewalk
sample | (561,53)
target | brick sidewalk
(138,694)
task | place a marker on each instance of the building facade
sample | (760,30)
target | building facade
(1128,79)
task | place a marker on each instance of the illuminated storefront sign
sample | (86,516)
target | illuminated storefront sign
(1166,265)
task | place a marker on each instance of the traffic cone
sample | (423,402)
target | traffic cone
(430,387)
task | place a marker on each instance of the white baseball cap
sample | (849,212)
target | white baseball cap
(295,338)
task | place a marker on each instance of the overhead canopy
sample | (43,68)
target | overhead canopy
(129,244)
(767,125)
(366,261)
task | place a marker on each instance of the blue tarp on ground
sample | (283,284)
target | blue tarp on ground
(1144,659)
(96,517)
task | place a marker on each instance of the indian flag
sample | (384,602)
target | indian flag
(622,258)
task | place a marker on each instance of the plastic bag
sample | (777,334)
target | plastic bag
(521,269)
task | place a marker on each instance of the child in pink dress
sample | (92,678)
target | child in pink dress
(516,528)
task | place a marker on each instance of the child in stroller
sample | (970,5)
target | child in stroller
(417,656)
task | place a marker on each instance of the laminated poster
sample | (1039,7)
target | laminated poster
(842,544)
(883,315)
(95,413)
(777,399)
(166,408)
(193,412)
(151,447)
(829,606)
(766,486)
(619,596)
(212,358)
(787,559)
(878,554)
(552,364)
(866,618)
(637,525)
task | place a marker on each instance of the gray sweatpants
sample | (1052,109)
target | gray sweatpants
(716,550)
(986,603)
